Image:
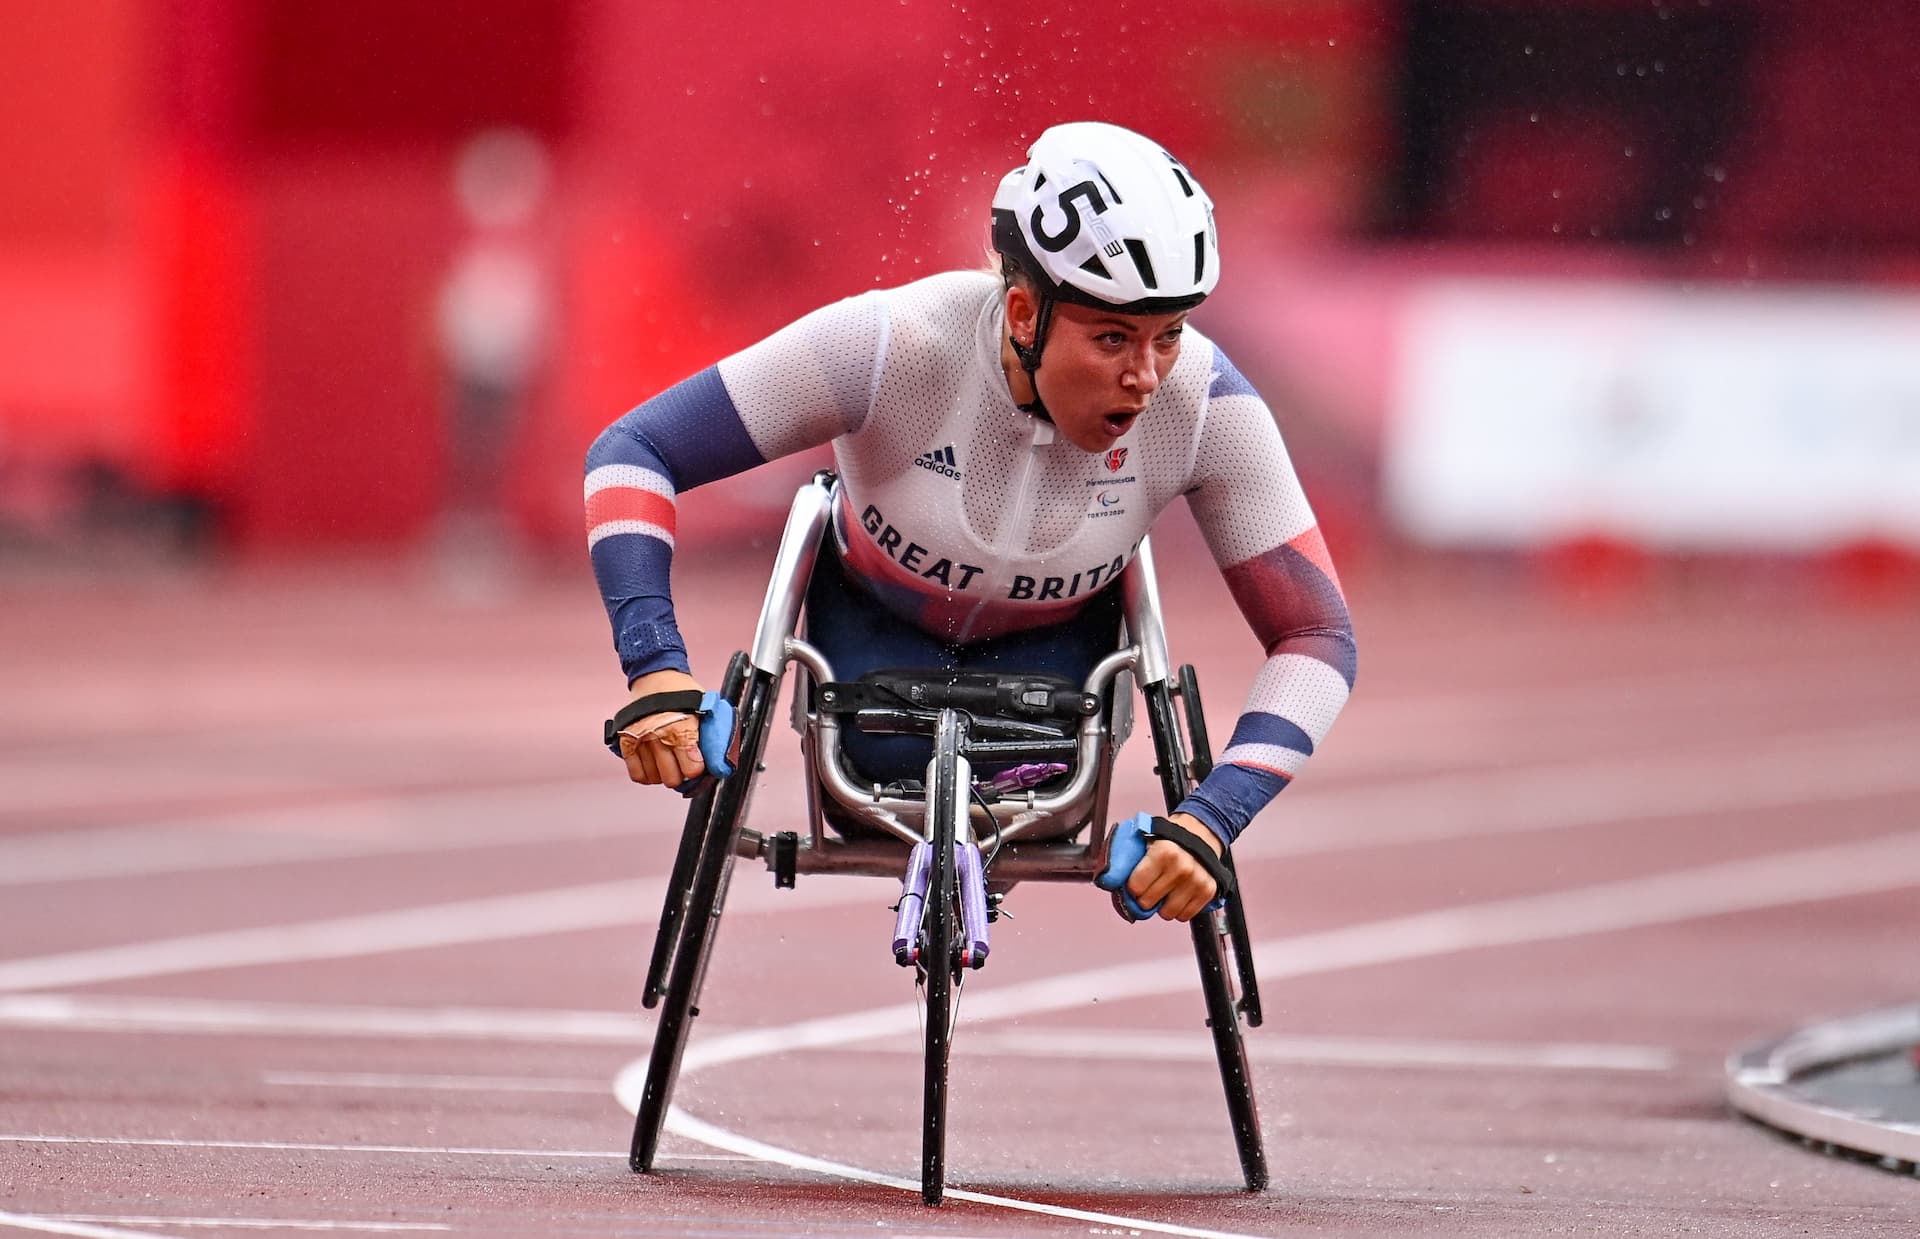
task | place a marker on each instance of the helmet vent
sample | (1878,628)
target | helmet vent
(1186,186)
(1039,180)
(1142,261)
(1199,256)
(1111,191)
(1093,266)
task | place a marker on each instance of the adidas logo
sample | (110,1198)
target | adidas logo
(941,462)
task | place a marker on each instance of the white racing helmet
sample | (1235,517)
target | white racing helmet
(1104,217)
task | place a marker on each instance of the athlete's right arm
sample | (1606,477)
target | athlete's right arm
(799,388)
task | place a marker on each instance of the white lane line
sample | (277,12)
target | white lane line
(376,825)
(223,1017)
(562,910)
(431,1083)
(1806,768)
(60,1226)
(1888,863)
(1819,768)
(288,1146)
(1309,1051)
(1082,1045)
(43,779)
(1333,820)
(251,1223)
(546,722)
(600,905)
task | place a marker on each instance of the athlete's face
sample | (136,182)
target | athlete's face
(1099,369)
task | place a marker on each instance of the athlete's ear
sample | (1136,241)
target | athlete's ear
(1023,311)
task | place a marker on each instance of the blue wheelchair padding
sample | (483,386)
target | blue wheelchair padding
(1124,854)
(716,737)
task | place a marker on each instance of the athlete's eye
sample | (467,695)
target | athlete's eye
(1113,339)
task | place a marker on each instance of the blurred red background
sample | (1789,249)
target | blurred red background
(223,224)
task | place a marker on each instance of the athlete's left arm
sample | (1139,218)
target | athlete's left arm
(1255,517)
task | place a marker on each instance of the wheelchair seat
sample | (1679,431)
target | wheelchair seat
(1023,728)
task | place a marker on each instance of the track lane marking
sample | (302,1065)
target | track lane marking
(601,905)
(114,1013)
(1323,822)
(373,826)
(246,1223)
(1082,1044)
(290,1146)
(224,1017)
(706,1133)
(1805,768)
(1385,1052)
(57,1226)
(1825,768)
(425,1083)
(1780,879)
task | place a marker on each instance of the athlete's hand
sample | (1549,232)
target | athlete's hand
(1167,875)
(663,748)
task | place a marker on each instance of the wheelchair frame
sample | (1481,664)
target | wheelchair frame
(715,834)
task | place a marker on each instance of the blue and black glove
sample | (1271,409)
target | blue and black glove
(716,729)
(1128,848)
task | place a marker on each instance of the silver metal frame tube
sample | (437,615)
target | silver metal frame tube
(1141,593)
(792,570)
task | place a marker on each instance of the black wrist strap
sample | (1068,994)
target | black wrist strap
(682,701)
(1194,846)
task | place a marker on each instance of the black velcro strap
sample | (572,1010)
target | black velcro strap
(680,701)
(1195,847)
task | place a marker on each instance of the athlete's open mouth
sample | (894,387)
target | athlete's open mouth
(1119,423)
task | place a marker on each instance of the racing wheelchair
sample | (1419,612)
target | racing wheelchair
(1042,815)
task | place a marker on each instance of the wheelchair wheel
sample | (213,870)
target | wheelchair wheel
(700,920)
(1210,934)
(1200,756)
(937,954)
(692,837)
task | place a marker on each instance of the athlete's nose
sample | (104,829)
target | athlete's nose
(1141,375)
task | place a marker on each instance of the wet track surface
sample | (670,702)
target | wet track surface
(321,908)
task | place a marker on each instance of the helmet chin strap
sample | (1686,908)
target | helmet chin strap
(1029,355)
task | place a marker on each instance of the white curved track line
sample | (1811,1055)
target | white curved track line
(685,1124)
(1888,863)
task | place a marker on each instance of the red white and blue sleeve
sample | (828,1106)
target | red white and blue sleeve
(800,387)
(1263,535)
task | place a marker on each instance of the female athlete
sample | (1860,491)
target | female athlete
(1002,444)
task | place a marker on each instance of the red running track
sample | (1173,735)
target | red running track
(320,908)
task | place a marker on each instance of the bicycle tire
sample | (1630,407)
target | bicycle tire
(693,834)
(1210,953)
(937,954)
(1200,761)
